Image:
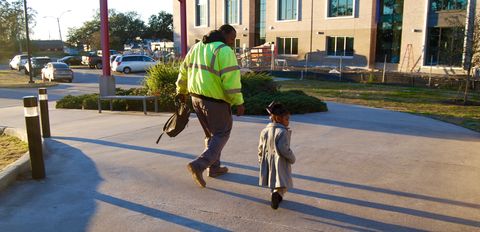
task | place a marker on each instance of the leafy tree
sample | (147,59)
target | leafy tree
(472,51)
(123,28)
(160,26)
(12,25)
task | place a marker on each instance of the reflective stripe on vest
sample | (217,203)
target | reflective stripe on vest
(229,69)
(233,91)
(211,68)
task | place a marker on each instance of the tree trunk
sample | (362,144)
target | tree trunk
(467,84)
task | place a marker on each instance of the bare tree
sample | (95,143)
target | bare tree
(472,50)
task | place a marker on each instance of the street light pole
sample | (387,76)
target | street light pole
(59,30)
(29,54)
(58,22)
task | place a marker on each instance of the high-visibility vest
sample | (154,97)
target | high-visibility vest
(211,70)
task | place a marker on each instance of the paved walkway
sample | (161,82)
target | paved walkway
(358,169)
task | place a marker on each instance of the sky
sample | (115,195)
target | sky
(83,10)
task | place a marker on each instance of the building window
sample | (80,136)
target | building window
(389,31)
(441,5)
(339,8)
(287,46)
(201,12)
(287,9)
(237,43)
(232,11)
(445,46)
(260,19)
(339,46)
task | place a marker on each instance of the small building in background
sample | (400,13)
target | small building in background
(48,45)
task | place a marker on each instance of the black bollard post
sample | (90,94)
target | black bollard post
(34,139)
(45,118)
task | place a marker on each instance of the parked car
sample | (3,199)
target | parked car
(112,52)
(92,61)
(37,63)
(55,71)
(71,60)
(112,59)
(132,63)
(18,62)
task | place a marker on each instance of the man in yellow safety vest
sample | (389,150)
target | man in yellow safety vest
(211,75)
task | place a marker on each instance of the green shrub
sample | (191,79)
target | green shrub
(70,102)
(90,102)
(255,83)
(258,89)
(297,102)
(160,82)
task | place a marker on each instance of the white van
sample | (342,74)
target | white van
(132,63)
(18,62)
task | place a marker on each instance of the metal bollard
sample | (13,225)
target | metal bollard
(44,116)
(34,138)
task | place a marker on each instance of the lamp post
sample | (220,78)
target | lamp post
(29,54)
(58,22)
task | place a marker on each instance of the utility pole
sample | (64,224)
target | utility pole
(29,54)
(59,31)
(58,22)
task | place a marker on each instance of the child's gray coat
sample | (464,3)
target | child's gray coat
(275,157)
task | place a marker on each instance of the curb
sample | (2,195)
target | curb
(10,173)
(26,86)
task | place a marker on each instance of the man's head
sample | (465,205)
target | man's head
(229,33)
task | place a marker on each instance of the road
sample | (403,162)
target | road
(85,81)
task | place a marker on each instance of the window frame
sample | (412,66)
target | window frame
(207,14)
(277,16)
(327,11)
(284,45)
(239,16)
(345,38)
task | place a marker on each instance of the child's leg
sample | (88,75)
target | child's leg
(282,191)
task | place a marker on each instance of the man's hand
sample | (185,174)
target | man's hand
(182,98)
(240,110)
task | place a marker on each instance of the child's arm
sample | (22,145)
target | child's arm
(261,143)
(283,146)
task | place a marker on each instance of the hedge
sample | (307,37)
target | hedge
(259,89)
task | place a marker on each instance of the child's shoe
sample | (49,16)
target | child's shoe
(276,198)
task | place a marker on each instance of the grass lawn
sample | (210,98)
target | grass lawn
(15,79)
(11,148)
(422,101)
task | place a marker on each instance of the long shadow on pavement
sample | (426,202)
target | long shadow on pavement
(179,220)
(64,201)
(255,169)
(327,214)
(251,180)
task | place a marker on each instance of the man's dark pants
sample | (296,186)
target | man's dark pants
(216,120)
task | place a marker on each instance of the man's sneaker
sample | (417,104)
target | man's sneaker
(276,198)
(197,176)
(217,171)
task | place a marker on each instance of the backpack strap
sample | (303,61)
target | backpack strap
(159,137)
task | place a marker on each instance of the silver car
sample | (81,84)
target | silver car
(18,62)
(54,71)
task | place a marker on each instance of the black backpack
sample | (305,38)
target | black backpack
(177,122)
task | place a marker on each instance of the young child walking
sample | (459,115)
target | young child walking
(274,154)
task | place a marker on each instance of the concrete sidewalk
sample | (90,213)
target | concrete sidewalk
(358,169)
